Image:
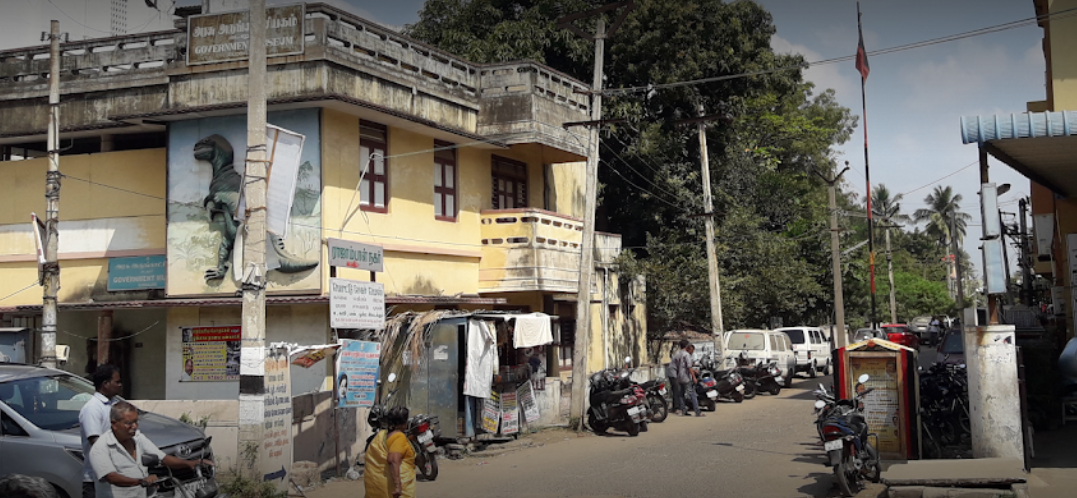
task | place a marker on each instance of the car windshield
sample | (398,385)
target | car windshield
(953,344)
(864,334)
(51,403)
(795,335)
(747,341)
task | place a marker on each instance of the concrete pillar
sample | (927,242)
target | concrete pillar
(994,395)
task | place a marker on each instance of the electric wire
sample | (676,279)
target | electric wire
(899,48)
(974,163)
(18,291)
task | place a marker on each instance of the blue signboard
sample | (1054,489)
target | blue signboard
(357,373)
(139,273)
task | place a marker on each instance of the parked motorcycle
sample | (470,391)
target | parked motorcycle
(422,430)
(761,378)
(203,484)
(621,409)
(845,439)
(655,391)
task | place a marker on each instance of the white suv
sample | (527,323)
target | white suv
(811,349)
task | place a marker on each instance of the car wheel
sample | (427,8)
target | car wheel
(812,371)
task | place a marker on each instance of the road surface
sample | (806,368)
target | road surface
(763,447)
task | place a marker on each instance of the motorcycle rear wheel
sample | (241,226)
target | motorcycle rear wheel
(660,409)
(749,390)
(846,483)
(737,397)
(643,427)
(427,467)
(711,405)
(599,428)
(775,389)
(632,429)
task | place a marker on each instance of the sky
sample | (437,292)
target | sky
(915,98)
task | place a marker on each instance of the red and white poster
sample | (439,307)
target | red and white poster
(210,354)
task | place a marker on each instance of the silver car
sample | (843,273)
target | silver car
(39,429)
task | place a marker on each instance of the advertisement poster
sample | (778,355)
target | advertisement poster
(526,397)
(205,176)
(491,413)
(210,354)
(510,415)
(357,373)
(883,408)
(277,448)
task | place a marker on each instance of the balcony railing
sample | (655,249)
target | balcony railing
(529,250)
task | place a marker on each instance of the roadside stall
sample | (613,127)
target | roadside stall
(892,409)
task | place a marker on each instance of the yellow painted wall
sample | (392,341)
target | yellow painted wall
(567,189)
(1063,40)
(423,255)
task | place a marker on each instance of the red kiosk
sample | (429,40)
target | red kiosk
(892,409)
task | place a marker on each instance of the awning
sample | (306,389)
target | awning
(1042,146)
(236,301)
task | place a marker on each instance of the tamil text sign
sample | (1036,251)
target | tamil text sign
(213,38)
(356,255)
(139,273)
(357,373)
(356,305)
(210,354)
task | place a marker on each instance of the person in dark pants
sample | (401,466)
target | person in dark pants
(691,386)
(674,382)
(94,419)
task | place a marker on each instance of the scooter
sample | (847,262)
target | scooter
(761,378)
(422,430)
(623,409)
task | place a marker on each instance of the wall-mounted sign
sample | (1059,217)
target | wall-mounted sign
(213,38)
(138,273)
(356,305)
(210,354)
(356,255)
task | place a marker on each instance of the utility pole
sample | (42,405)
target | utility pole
(890,270)
(840,337)
(252,364)
(1026,262)
(51,270)
(957,261)
(712,258)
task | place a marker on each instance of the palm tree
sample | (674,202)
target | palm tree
(943,211)
(887,206)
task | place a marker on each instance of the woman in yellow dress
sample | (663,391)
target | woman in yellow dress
(390,460)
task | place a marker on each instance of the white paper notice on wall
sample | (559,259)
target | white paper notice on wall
(283,150)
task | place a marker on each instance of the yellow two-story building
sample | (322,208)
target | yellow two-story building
(462,172)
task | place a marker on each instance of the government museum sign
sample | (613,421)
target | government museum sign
(213,38)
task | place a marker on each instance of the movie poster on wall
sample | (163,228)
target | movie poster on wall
(210,354)
(205,176)
(883,406)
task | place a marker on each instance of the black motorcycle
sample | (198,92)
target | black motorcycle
(621,409)
(845,439)
(761,378)
(655,391)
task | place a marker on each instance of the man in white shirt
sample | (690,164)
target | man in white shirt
(94,418)
(116,457)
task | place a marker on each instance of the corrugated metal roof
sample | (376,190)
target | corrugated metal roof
(979,129)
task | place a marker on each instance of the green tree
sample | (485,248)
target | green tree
(943,211)
(886,205)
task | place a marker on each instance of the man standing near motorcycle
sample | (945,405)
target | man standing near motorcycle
(690,385)
(674,378)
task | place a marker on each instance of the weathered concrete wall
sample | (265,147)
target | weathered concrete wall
(994,396)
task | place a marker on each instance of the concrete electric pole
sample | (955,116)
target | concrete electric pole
(712,257)
(890,272)
(51,270)
(252,356)
(582,343)
(840,338)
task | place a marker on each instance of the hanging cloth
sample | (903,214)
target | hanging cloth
(532,330)
(481,359)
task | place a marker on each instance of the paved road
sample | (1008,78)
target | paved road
(763,447)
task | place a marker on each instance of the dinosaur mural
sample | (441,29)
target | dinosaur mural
(204,194)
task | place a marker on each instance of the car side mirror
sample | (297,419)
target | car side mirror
(392,377)
(863,378)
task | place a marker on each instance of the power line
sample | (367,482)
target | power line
(644,177)
(18,291)
(974,163)
(899,48)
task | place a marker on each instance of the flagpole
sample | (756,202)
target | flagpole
(862,66)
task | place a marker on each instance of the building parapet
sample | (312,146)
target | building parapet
(344,55)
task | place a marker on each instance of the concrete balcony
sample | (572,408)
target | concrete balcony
(529,250)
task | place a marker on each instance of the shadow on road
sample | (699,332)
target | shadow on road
(822,487)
